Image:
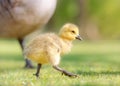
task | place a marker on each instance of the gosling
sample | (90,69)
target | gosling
(48,48)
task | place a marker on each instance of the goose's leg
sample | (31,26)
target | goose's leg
(64,72)
(28,63)
(38,70)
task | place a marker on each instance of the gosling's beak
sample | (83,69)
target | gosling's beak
(79,37)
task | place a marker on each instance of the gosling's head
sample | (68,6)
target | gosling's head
(70,32)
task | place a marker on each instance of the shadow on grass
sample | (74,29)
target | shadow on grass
(11,62)
(92,73)
(15,57)
(91,56)
(16,67)
(112,58)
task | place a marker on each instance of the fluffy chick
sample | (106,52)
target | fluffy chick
(47,48)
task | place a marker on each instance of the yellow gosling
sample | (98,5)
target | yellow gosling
(47,48)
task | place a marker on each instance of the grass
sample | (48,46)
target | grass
(96,63)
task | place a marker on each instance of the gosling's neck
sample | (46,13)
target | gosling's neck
(66,45)
(65,38)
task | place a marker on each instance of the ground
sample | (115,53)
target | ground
(97,63)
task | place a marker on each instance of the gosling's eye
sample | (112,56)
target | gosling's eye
(73,31)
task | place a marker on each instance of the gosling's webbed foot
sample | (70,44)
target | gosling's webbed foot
(69,74)
(37,75)
(65,72)
(38,70)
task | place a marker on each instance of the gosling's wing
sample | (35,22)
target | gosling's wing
(43,43)
(44,49)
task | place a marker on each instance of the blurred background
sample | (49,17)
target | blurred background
(98,19)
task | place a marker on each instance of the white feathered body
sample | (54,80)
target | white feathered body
(20,17)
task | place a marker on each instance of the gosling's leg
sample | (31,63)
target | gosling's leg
(28,63)
(38,70)
(64,72)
